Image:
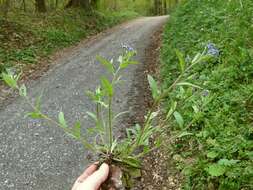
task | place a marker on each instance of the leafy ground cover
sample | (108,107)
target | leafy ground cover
(26,38)
(212,132)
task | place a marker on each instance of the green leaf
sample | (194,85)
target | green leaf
(120,114)
(76,131)
(188,84)
(154,88)
(158,142)
(179,119)
(88,145)
(114,145)
(92,115)
(120,59)
(172,109)
(183,134)
(62,120)
(34,115)
(10,80)
(91,95)
(212,154)
(195,108)
(107,86)
(125,64)
(197,58)
(22,90)
(102,104)
(216,170)
(108,65)
(181,60)
(226,162)
(249,154)
(37,102)
(131,161)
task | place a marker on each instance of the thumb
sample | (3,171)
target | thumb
(95,180)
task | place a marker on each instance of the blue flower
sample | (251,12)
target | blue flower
(127,47)
(205,93)
(212,50)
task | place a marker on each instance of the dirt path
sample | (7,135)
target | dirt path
(34,155)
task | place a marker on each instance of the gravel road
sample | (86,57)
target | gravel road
(34,155)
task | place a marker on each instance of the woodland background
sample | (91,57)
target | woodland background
(31,30)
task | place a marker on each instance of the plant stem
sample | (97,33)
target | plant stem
(110,121)
(157,102)
(97,110)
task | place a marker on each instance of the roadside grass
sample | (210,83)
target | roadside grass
(26,38)
(215,148)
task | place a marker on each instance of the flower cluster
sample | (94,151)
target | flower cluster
(212,50)
(205,93)
(127,47)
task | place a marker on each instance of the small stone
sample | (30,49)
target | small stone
(36,134)
(172,184)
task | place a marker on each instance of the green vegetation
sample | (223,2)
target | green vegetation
(26,38)
(213,126)
(33,30)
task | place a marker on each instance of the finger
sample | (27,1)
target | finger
(95,180)
(90,170)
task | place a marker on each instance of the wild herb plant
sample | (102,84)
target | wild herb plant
(129,150)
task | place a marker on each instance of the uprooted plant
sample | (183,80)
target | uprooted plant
(123,154)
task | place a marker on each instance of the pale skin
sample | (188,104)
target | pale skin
(92,177)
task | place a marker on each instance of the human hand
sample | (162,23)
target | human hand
(92,178)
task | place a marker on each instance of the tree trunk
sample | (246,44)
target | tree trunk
(165,7)
(156,7)
(94,4)
(24,5)
(86,4)
(115,5)
(41,6)
(6,8)
(56,4)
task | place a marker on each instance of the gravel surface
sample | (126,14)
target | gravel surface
(34,155)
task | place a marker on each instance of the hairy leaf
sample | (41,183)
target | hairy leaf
(212,154)
(153,85)
(10,80)
(108,65)
(179,119)
(188,84)
(76,131)
(181,60)
(227,162)
(62,120)
(216,170)
(34,115)
(107,86)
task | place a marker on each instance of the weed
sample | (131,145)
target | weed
(127,152)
